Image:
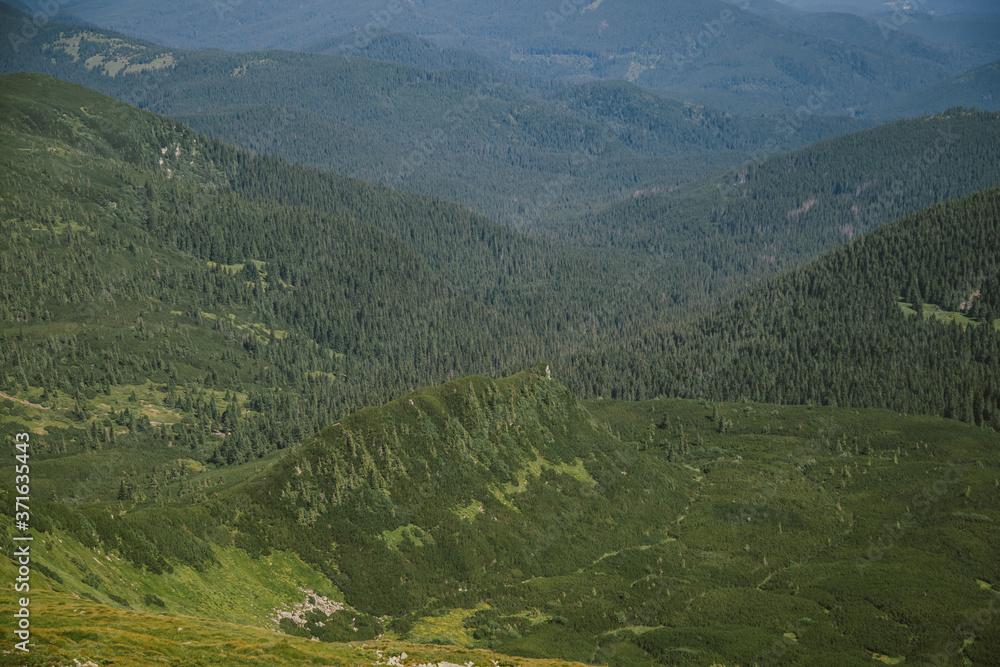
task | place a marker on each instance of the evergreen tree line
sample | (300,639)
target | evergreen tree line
(837,332)
(199,266)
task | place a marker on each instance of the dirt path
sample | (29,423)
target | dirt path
(23,402)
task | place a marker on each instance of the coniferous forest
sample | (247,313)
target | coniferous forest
(616,373)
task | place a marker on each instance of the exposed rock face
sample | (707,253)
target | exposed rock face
(313,602)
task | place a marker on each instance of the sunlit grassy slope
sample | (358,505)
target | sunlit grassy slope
(663,532)
(501,514)
(69,628)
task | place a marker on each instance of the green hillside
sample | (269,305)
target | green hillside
(467,136)
(843,331)
(505,514)
(259,298)
(686,48)
(773,214)
(976,88)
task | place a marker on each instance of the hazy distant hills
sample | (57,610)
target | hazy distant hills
(977,31)
(845,330)
(408,49)
(880,33)
(449,290)
(470,136)
(710,52)
(689,394)
(192,332)
(979,88)
(725,231)
(458,134)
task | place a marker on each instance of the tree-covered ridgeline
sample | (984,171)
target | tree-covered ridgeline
(290,296)
(144,252)
(843,330)
(180,318)
(463,135)
(773,214)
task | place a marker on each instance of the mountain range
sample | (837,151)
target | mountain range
(681,48)
(436,334)
(171,365)
(473,137)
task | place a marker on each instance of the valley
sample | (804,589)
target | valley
(623,531)
(458,334)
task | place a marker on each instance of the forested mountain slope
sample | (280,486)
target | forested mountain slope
(134,249)
(686,47)
(462,135)
(844,329)
(435,290)
(775,213)
(979,87)
(506,514)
